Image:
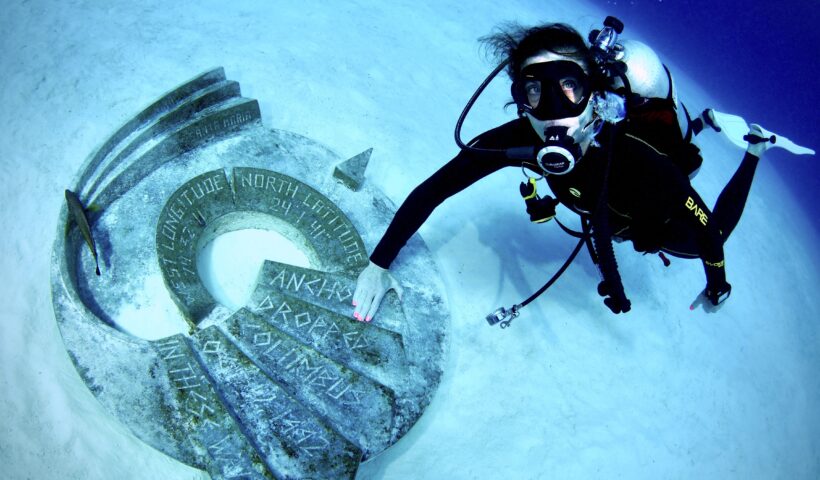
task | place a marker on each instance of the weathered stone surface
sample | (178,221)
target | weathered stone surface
(120,371)
(204,199)
(294,442)
(351,171)
(209,96)
(209,125)
(366,348)
(205,395)
(190,209)
(331,291)
(356,406)
(323,225)
(165,103)
(195,403)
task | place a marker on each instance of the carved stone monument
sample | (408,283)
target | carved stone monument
(290,385)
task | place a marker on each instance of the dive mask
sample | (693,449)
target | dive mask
(552,90)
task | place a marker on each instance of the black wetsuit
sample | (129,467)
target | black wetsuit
(649,199)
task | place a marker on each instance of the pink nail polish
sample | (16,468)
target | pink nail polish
(354,303)
(357,316)
(368,319)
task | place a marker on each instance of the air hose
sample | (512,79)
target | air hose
(600,233)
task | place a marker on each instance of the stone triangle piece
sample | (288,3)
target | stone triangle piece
(351,171)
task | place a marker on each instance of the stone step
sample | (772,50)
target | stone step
(332,291)
(356,406)
(170,121)
(212,123)
(365,348)
(294,442)
(165,103)
(201,418)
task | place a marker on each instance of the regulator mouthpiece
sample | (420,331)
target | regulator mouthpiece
(560,153)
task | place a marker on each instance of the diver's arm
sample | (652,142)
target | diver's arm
(375,280)
(462,171)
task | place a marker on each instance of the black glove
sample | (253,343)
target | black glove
(718,294)
(614,298)
(540,209)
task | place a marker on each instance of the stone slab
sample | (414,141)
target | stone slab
(209,125)
(202,418)
(365,348)
(157,399)
(191,107)
(331,291)
(322,224)
(166,102)
(357,407)
(294,442)
(184,218)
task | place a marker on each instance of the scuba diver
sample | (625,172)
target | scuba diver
(611,150)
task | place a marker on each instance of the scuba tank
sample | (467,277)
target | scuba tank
(635,71)
(647,76)
(632,66)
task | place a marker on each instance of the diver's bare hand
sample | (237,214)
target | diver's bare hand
(371,286)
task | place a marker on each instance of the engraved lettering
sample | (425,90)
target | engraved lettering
(283,310)
(211,346)
(170,350)
(302,319)
(246,180)
(266,304)
(281,277)
(184,378)
(296,284)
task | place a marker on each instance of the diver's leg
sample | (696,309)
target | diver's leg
(732,199)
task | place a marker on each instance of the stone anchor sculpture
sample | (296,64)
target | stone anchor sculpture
(288,386)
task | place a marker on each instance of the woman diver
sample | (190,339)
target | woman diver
(621,173)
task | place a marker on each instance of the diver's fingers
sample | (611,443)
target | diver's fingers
(358,294)
(363,293)
(363,306)
(374,306)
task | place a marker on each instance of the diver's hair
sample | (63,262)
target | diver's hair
(516,43)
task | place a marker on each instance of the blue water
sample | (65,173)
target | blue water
(757,58)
